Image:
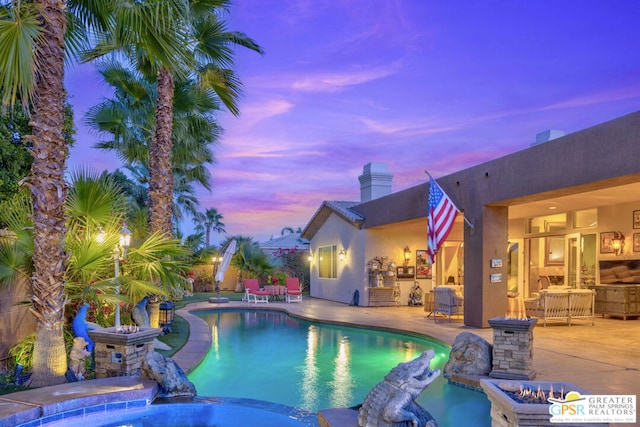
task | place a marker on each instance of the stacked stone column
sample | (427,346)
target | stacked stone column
(120,354)
(512,348)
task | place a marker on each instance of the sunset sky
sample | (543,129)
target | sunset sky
(417,84)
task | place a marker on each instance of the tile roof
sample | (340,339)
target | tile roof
(290,241)
(341,208)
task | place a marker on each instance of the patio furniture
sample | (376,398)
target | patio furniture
(252,291)
(276,292)
(294,291)
(446,302)
(562,304)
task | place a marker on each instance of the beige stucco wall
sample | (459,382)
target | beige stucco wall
(350,273)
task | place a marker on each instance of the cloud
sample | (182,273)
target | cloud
(255,113)
(603,97)
(337,81)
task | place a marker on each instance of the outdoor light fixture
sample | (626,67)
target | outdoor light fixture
(101,234)
(310,256)
(407,255)
(342,254)
(617,243)
(167,314)
(120,253)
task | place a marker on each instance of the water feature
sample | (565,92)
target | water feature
(269,355)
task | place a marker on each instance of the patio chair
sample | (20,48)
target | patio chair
(446,302)
(294,291)
(252,291)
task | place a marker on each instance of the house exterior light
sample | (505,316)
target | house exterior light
(407,255)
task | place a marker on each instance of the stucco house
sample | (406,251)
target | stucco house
(562,211)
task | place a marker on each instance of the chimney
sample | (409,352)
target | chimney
(547,136)
(375,181)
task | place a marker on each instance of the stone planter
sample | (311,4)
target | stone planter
(512,348)
(507,412)
(121,354)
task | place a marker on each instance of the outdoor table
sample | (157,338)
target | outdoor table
(276,293)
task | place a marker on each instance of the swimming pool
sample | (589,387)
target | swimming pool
(271,356)
(200,412)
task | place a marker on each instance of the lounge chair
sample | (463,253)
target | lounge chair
(446,302)
(294,292)
(252,291)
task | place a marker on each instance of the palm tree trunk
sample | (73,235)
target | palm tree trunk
(160,164)
(49,191)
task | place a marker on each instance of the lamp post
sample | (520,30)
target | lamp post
(120,253)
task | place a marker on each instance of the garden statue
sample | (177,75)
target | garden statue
(81,327)
(391,403)
(139,313)
(76,358)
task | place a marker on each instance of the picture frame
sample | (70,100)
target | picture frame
(423,268)
(636,219)
(606,242)
(405,273)
(636,242)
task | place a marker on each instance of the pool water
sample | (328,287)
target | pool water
(201,412)
(271,356)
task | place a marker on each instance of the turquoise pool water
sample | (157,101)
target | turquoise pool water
(268,355)
(200,412)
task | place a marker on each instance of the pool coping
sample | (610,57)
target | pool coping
(43,405)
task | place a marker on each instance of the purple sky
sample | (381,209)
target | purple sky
(417,84)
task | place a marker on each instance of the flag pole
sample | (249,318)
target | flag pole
(459,211)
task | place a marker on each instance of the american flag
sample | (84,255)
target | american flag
(442,214)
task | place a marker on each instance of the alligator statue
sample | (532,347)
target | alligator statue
(391,403)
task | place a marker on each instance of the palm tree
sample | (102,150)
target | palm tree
(249,259)
(95,202)
(32,69)
(209,221)
(128,119)
(203,44)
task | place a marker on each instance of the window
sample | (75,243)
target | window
(327,262)
(587,218)
(546,224)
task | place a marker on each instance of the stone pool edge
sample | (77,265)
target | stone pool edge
(47,404)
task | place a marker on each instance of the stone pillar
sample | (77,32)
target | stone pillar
(121,354)
(512,348)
